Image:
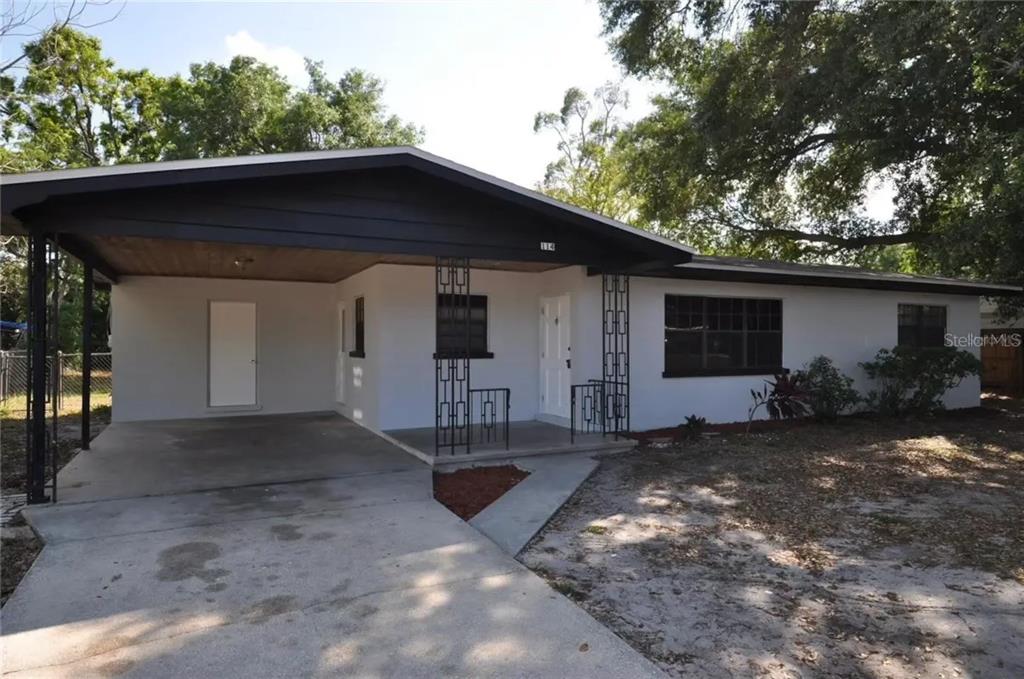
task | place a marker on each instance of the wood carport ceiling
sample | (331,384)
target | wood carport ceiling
(132,256)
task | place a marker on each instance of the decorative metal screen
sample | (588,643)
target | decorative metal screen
(451,390)
(488,415)
(586,411)
(615,351)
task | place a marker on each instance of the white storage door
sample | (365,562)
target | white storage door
(232,354)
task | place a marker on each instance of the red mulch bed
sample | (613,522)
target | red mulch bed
(467,492)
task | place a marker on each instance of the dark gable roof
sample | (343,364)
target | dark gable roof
(703,267)
(20,190)
(23,190)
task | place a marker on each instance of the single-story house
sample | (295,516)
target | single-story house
(422,298)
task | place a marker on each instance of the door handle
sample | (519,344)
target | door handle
(568,363)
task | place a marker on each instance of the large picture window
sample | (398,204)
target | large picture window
(921,325)
(451,326)
(722,336)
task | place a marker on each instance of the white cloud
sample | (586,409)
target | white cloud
(287,60)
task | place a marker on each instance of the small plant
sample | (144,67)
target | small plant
(785,398)
(692,428)
(913,380)
(829,391)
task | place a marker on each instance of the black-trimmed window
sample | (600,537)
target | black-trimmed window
(722,336)
(360,350)
(921,325)
(451,326)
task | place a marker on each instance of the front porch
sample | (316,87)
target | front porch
(526,438)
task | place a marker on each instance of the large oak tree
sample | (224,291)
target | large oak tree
(782,117)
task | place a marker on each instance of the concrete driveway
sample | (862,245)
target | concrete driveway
(131,459)
(362,574)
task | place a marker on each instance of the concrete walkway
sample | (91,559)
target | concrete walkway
(361,575)
(514,518)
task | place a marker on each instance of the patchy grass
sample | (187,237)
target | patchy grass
(881,548)
(69,431)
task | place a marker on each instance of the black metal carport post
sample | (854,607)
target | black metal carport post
(35,450)
(87,294)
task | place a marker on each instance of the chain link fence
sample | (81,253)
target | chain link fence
(14,378)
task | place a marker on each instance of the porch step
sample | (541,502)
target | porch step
(591,447)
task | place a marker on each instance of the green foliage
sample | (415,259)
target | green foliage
(590,171)
(693,427)
(13,253)
(248,107)
(913,380)
(74,108)
(784,398)
(780,118)
(829,392)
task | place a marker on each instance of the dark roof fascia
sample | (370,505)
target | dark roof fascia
(834,280)
(22,190)
(34,187)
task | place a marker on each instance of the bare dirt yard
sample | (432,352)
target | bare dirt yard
(863,548)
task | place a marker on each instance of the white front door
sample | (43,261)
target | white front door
(555,355)
(232,353)
(339,376)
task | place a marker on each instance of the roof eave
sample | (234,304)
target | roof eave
(837,280)
(35,187)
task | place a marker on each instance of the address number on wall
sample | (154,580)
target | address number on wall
(547,246)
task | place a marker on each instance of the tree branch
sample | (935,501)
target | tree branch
(850,242)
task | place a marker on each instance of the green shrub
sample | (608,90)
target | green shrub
(913,380)
(829,391)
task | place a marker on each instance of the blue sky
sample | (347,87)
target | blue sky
(472,73)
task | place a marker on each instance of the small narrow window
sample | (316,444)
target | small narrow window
(360,350)
(452,331)
(921,325)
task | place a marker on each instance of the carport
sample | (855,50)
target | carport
(137,459)
(320,218)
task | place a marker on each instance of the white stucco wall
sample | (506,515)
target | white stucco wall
(159,336)
(159,331)
(399,361)
(362,375)
(848,326)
